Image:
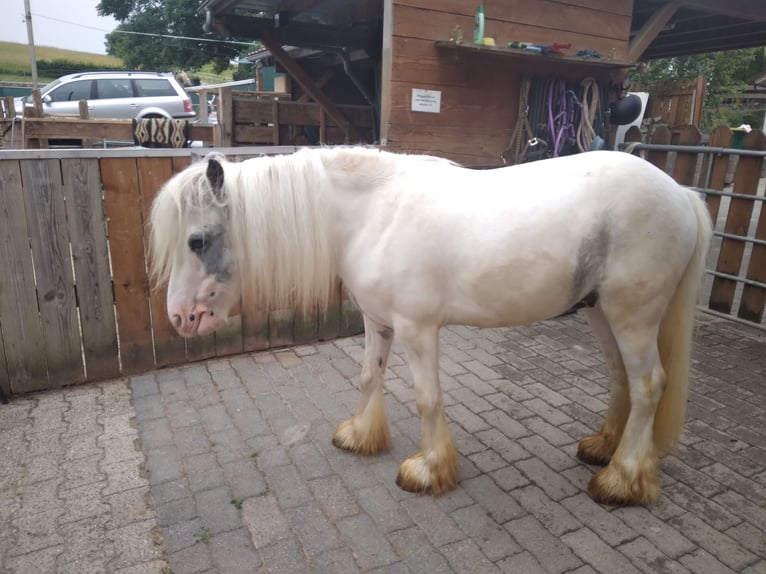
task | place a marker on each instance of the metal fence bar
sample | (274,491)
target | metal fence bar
(740,238)
(693,149)
(736,278)
(707,191)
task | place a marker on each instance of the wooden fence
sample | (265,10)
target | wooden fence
(734,191)
(75,300)
(677,103)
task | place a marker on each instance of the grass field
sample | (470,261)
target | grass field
(14,59)
(14,63)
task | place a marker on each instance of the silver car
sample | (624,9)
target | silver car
(115,95)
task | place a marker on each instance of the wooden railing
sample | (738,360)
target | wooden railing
(75,299)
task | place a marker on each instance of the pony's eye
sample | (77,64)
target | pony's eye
(196,243)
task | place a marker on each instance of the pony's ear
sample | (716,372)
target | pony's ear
(215,176)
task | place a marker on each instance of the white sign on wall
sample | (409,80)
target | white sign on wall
(429,101)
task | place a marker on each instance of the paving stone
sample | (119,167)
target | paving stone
(284,557)
(367,542)
(552,554)
(333,497)
(594,551)
(494,500)
(553,484)
(338,561)
(491,537)
(465,556)
(720,545)
(433,521)
(647,558)
(384,510)
(669,540)
(521,562)
(264,520)
(702,562)
(233,553)
(314,532)
(554,516)
(215,509)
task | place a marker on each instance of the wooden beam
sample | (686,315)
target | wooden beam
(76,128)
(649,31)
(305,82)
(301,34)
(749,10)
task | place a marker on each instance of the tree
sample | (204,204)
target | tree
(726,74)
(141,41)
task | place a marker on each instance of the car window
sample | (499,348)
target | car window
(113,88)
(71,92)
(153,88)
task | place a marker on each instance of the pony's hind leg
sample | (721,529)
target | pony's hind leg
(366,432)
(434,468)
(599,448)
(631,475)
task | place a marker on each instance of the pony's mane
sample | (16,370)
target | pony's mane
(277,226)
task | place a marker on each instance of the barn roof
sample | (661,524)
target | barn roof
(660,28)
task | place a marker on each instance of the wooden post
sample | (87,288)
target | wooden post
(83,109)
(225,131)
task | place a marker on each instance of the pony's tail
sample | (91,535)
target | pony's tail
(675,336)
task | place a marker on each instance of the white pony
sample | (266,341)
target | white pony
(421,243)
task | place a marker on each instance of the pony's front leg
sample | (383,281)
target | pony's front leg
(434,468)
(366,432)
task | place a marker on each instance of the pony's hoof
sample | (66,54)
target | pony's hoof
(595,449)
(611,486)
(346,437)
(416,476)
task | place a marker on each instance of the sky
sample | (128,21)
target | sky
(68,24)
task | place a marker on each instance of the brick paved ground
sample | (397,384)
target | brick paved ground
(74,497)
(244,479)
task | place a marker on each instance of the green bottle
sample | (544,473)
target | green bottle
(478,28)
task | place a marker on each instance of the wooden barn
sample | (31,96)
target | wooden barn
(408,75)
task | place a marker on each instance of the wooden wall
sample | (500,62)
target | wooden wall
(479,94)
(75,299)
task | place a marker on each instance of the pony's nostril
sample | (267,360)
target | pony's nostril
(212,294)
(191,318)
(177,321)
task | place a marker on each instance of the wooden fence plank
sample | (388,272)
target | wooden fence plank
(660,135)
(131,285)
(46,221)
(281,327)
(305,328)
(737,223)
(169,347)
(351,322)
(255,328)
(23,341)
(228,339)
(87,233)
(329,323)
(686,162)
(753,297)
(719,137)
(5,379)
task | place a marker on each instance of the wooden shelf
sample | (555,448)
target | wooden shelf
(528,56)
